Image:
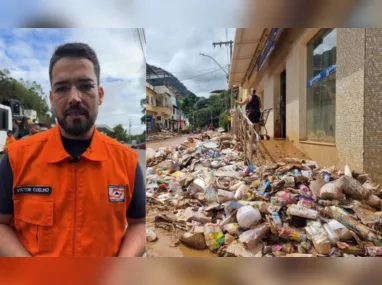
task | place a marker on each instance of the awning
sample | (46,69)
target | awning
(244,60)
(246,42)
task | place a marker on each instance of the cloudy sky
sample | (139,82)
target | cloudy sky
(26,53)
(178,51)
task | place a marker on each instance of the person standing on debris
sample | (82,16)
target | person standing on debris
(72,191)
(252,106)
(10,139)
(34,129)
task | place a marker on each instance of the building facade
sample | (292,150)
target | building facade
(163,109)
(324,89)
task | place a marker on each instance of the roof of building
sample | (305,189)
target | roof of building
(217,91)
(104,128)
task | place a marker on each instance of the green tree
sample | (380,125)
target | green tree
(143,106)
(30,94)
(120,133)
(223,121)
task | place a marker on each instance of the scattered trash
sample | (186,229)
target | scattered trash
(247,216)
(162,135)
(150,235)
(194,240)
(214,236)
(210,199)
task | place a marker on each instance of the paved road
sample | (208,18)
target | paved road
(168,142)
(142,159)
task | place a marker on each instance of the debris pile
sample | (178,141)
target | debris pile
(163,135)
(203,191)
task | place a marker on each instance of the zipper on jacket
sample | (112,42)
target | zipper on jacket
(75,208)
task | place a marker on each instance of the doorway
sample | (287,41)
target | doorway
(283,104)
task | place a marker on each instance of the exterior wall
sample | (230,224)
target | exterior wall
(350,97)
(293,93)
(358,140)
(150,100)
(373,104)
(268,101)
(290,54)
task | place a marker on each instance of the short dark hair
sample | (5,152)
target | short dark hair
(10,132)
(75,50)
(254,91)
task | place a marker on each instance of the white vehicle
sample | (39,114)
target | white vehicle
(5,124)
(31,115)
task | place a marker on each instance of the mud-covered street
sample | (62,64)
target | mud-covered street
(165,245)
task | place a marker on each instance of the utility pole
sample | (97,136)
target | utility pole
(230,43)
(130,130)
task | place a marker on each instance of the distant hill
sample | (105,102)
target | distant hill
(164,77)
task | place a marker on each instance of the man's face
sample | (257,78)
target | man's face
(75,95)
(34,130)
(9,135)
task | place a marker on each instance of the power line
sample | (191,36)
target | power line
(129,127)
(141,42)
(226,39)
(144,35)
(200,75)
(201,70)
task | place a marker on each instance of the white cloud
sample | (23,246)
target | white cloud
(178,51)
(120,56)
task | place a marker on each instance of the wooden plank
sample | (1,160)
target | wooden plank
(245,118)
(244,140)
(251,145)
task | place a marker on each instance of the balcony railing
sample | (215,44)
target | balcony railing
(243,128)
(159,109)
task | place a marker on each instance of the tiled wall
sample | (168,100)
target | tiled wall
(350,97)
(373,104)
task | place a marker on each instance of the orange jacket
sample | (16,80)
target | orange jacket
(71,209)
(8,141)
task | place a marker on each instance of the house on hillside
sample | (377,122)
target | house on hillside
(158,109)
(216,92)
(323,86)
(163,107)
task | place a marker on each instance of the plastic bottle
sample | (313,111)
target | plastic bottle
(265,187)
(276,219)
(213,154)
(326,177)
(211,194)
(252,168)
(302,212)
(297,173)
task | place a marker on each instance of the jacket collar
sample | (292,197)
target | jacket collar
(56,151)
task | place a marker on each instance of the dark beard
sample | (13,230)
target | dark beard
(77,127)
